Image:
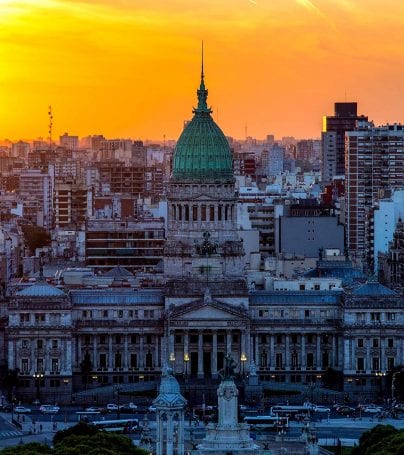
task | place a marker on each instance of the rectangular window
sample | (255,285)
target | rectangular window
(133,339)
(203,213)
(278,360)
(24,366)
(25,344)
(105,313)
(360,344)
(391,316)
(103,339)
(390,342)
(375,364)
(118,339)
(278,339)
(39,365)
(55,365)
(306,313)
(360,363)
(375,316)
(39,344)
(120,313)
(103,360)
(54,344)
(133,360)
(390,363)
(375,342)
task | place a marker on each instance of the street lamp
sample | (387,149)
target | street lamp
(186,360)
(243,359)
(172,360)
(118,390)
(38,376)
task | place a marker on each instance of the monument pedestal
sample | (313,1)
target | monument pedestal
(227,436)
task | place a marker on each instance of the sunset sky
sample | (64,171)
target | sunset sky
(130,68)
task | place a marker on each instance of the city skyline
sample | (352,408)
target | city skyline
(99,64)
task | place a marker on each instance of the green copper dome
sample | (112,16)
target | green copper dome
(202,152)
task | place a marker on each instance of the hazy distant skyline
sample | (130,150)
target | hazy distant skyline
(130,68)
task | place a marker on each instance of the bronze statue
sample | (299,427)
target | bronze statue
(229,366)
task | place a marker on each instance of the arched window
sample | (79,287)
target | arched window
(294,359)
(194,213)
(180,213)
(187,212)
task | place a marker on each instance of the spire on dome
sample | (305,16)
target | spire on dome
(202,93)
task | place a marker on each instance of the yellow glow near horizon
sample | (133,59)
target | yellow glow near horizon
(130,68)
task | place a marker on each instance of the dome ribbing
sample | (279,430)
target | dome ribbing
(202,152)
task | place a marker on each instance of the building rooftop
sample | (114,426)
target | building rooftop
(40,289)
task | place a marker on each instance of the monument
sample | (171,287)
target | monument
(170,406)
(228,436)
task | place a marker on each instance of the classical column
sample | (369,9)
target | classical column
(272,352)
(95,352)
(170,434)
(228,341)
(257,350)
(79,353)
(200,355)
(303,351)
(318,352)
(214,354)
(159,435)
(347,359)
(180,436)
(369,365)
(12,357)
(68,354)
(156,351)
(125,353)
(163,351)
(287,353)
(333,362)
(141,352)
(110,353)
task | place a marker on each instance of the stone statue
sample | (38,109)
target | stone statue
(229,366)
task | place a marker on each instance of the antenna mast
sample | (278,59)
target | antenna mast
(50,125)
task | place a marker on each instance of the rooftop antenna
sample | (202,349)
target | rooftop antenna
(50,125)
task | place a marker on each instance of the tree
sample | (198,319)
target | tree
(35,237)
(86,367)
(81,429)
(375,436)
(33,448)
(10,381)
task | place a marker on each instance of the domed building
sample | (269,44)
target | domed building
(203,249)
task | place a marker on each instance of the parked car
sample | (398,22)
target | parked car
(22,410)
(345,410)
(128,407)
(317,408)
(94,409)
(372,409)
(112,407)
(49,409)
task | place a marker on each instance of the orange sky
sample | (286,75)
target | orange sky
(130,68)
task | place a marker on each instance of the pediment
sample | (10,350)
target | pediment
(203,311)
(207,312)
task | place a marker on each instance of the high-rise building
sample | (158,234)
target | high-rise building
(36,190)
(333,138)
(70,203)
(374,163)
(69,142)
